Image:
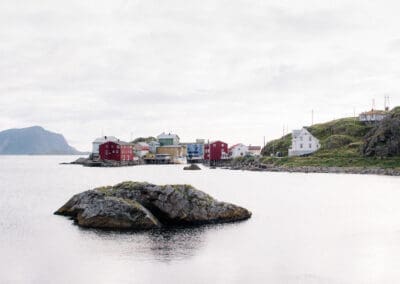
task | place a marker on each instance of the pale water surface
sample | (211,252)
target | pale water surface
(306,228)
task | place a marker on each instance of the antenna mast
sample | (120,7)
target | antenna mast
(312,117)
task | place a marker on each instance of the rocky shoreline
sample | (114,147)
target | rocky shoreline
(315,169)
(141,206)
(87,162)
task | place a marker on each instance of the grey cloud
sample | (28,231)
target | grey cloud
(237,69)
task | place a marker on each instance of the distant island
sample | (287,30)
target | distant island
(34,140)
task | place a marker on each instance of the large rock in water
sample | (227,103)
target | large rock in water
(135,205)
(384,139)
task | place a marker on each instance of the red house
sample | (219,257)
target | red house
(216,151)
(116,151)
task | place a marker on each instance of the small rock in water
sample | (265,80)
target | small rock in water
(192,167)
(138,206)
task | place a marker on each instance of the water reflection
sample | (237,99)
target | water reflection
(176,243)
(164,245)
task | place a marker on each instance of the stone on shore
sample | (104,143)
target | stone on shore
(136,205)
(192,167)
(384,139)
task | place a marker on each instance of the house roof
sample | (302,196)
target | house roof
(143,144)
(105,139)
(217,141)
(374,111)
(122,143)
(238,144)
(167,136)
(254,148)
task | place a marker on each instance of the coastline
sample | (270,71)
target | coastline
(317,169)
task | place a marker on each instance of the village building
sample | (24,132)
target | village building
(116,151)
(153,145)
(303,143)
(373,116)
(177,153)
(194,151)
(96,143)
(216,151)
(168,139)
(254,150)
(238,150)
(141,149)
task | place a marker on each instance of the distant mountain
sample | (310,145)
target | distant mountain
(34,141)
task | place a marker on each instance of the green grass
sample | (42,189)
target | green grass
(341,142)
(337,158)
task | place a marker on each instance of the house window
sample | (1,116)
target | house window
(301,146)
(309,145)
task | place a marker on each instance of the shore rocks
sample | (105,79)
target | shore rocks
(135,205)
(319,169)
(192,167)
(384,139)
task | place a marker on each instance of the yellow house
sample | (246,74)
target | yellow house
(172,150)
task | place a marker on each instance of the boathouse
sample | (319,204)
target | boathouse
(216,151)
(116,151)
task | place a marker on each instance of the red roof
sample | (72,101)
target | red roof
(254,148)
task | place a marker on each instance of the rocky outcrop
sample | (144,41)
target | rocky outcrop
(384,139)
(89,162)
(192,167)
(134,205)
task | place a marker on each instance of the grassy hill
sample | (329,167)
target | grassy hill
(341,143)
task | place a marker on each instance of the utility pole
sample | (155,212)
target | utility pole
(312,117)
(386,103)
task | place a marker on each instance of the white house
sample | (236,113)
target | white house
(372,116)
(303,143)
(238,150)
(141,149)
(96,143)
(153,145)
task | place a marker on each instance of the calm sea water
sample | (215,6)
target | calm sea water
(306,228)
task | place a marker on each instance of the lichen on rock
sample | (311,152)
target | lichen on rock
(140,205)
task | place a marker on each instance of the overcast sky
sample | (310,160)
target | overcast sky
(230,70)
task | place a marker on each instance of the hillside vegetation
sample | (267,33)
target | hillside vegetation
(342,145)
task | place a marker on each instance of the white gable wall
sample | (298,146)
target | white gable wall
(303,143)
(96,143)
(239,150)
